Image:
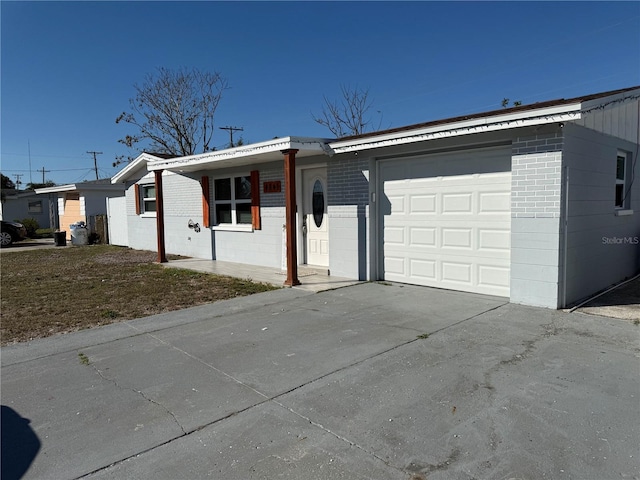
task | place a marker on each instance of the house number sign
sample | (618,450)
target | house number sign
(272,187)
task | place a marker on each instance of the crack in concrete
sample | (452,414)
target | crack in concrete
(338,436)
(142,394)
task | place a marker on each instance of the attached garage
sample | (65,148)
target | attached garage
(445,220)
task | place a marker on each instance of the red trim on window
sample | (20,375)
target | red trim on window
(255,199)
(136,189)
(204,182)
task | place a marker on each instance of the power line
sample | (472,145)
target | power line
(55,170)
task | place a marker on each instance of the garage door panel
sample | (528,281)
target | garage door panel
(457,203)
(494,239)
(423,204)
(457,272)
(457,238)
(493,276)
(394,236)
(424,269)
(449,231)
(494,202)
(394,266)
(423,237)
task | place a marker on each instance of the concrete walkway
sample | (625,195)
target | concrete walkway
(312,280)
(370,381)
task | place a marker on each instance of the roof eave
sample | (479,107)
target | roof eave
(254,153)
(79,187)
(505,121)
(124,174)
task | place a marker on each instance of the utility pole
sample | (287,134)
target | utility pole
(29,147)
(95,162)
(43,172)
(231,130)
(18,182)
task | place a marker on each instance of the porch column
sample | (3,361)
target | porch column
(290,216)
(162,258)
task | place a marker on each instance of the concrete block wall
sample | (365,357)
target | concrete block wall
(536,199)
(603,248)
(260,247)
(348,199)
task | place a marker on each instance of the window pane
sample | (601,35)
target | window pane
(223,213)
(619,195)
(149,191)
(243,188)
(243,213)
(317,203)
(620,168)
(223,189)
(35,207)
(149,205)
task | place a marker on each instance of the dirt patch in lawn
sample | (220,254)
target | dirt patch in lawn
(47,292)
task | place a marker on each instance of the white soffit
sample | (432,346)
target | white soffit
(527,118)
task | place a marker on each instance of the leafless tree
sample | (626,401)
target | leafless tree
(349,114)
(174,111)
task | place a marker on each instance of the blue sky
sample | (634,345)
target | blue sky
(68,68)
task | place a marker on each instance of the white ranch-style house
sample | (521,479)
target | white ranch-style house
(536,203)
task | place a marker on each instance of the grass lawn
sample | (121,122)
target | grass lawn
(49,291)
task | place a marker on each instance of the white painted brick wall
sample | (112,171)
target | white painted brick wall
(536,176)
(348,199)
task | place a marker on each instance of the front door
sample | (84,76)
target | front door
(315,228)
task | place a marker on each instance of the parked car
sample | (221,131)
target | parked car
(11,232)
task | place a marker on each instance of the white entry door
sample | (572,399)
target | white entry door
(315,226)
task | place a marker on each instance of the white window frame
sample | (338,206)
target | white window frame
(143,200)
(234,225)
(622,181)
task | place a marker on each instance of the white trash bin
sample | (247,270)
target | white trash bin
(79,234)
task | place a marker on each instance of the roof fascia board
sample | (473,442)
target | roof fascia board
(60,188)
(132,167)
(79,187)
(209,159)
(553,114)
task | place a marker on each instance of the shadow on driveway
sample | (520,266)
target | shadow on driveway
(623,302)
(20,444)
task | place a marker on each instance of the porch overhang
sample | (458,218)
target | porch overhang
(253,154)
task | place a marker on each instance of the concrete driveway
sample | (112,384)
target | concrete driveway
(371,381)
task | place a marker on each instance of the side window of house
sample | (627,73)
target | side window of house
(148,198)
(35,207)
(232,200)
(621,180)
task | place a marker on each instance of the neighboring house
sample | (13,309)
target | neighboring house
(535,203)
(21,204)
(81,202)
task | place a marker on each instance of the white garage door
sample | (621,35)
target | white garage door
(446,220)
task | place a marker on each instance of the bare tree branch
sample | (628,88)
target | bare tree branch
(174,111)
(348,115)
